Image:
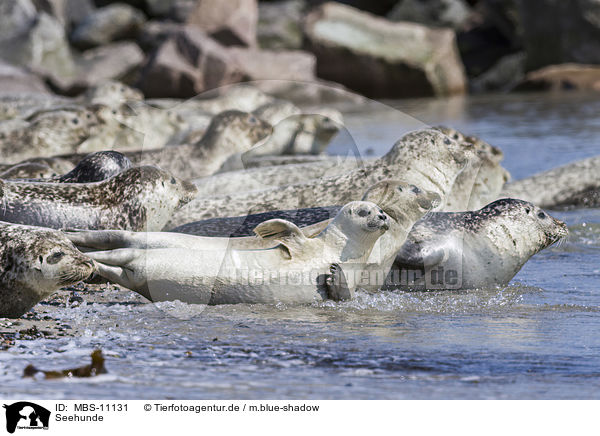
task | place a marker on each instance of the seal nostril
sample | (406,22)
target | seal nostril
(382,217)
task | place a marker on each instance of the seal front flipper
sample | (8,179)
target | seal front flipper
(285,232)
(337,286)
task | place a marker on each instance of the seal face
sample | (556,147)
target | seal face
(141,198)
(34,263)
(466,250)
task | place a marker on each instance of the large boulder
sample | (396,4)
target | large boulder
(267,64)
(380,58)
(231,22)
(15,80)
(111,23)
(43,49)
(438,13)
(558,31)
(508,72)
(16,17)
(186,64)
(563,77)
(280,24)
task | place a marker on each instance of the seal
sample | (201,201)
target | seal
(95,167)
(295,271)
(229,132)
(28,170)
(556,187)
(35,263)
(261,178)
(111,93)
(47,133)
(303,134)
(426,158)
(468,250)
(141,198)
(56,165)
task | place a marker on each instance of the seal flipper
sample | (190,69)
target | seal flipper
(285,232)
(337,286)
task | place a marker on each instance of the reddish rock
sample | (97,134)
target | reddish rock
(231,22)
(267,64)
(186,64)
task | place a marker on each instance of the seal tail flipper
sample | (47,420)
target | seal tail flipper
(286,233)
(337,285)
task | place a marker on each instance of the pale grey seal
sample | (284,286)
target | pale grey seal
(35,263)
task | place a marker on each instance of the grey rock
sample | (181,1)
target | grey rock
(15,80)
(111,23)
(68,12)
(503,76)
(379,58)
(280,24)
(16,17)
(439,13)
(268,64)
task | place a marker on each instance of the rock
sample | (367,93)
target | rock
(563,77)
(43,49)
(16,17)
(231,22)
(267,64)
(557,32)
(154,33)
(280,24)
(111,62)
(503,76)
(379,58)
(188,63)
(312,93)
(15,80)
(437,13)
(111,23)
(68,12)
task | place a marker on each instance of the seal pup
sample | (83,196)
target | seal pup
(35,263)
(141,198)
(555,187)
(468,250)
(47,133)
(28,170)
(292,272)
(111,93)
(426,158)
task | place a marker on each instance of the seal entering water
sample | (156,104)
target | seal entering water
(467,250)
(36,262)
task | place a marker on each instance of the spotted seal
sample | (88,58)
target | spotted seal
(35,263)
(468,250)
(426,158)
(47,133)
(292,272)
(558,186)
(141,198)
(28,170)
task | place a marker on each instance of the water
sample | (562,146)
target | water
(537,338)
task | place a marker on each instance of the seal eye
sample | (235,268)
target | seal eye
(252,120)
(75,121)
(55,258)
(173,181)
(541,215)
(363,213)
(447,141)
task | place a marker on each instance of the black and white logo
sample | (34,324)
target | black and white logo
(26,415)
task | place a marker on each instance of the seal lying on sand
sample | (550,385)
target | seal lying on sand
(138,199)
(469,250)
(293,272)
(35,263)
(426,158)
(556,187)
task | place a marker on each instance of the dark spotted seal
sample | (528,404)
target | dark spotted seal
(141,198)
(35,262)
